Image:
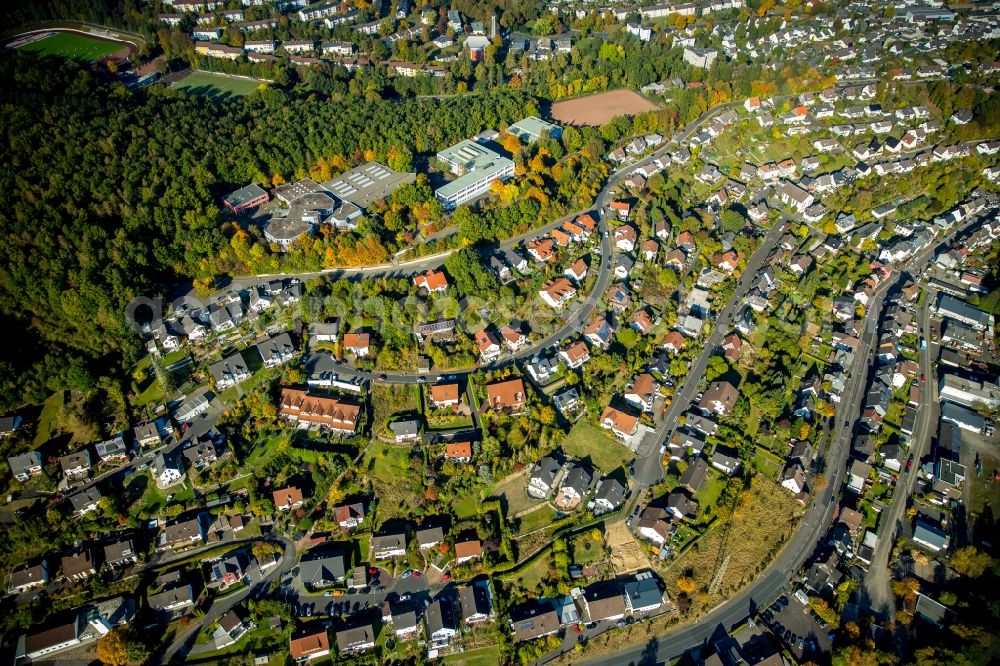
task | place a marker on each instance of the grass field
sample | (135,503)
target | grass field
(467,508)
(74,46)
(536,520)
(758,530)
(216,86)
(512,490)
(396,486)
(487,656)
(390,399)
(586,440)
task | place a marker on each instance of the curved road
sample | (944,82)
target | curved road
(818,515)
(184,641)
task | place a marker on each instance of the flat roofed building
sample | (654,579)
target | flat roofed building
(477,166)
(367,183)
(245,198)
(531,129)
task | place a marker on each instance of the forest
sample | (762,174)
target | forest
(110,194)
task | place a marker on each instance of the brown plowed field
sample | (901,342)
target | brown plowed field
(600,108)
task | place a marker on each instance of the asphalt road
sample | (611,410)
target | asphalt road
(184,641)
(799,548)
(648,467)
(578,313)
(818,515)
(877,580)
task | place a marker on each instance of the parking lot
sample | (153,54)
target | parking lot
(794,624)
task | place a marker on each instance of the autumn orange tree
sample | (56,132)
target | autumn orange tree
(112,648)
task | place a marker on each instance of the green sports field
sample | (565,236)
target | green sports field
(216,86)
(74,46)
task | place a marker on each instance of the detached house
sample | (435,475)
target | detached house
(466,551)
(389,544)
(642,392)
(476,602)
(28,578)
(458,452)
(286,499)
(354,640)
(719,398)
(621,424)
(25,465)
(358,344)
(575,355)
(167,469)
(182,533)
(349,516)
(311,644)
(85,501)
(558,292)
(230,371)
(76,466)
(599,332)
(543,476)
(489,346)
(432,282)
(506,396)
(444,395)
(276,350)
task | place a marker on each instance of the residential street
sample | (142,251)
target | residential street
(877,582)
(818,515)
(184,641)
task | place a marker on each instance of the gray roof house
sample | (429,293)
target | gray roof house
(441,626)
(388,544)
(429,536)
(230,371)
(276,350)
(25,465)
(85,501)
(609,494)
(543,477)
(323,571)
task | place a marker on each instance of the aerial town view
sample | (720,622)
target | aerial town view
(534,332)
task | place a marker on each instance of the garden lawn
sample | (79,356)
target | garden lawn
(261,640)
(396,485)
(73,46)
(216,86)
(586,440)
(487,656)
(48,420)
(587,550)
(512,490)
(759,529)
(537,519)
(531,577)
(708,494)
(767,463)
(467,508)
